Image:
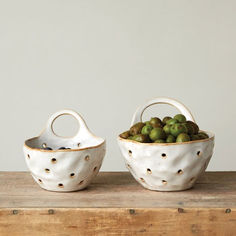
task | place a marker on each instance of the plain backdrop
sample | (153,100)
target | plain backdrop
(105,58)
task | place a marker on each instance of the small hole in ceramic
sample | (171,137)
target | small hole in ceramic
(53,160)
(163,155)
(164,182)
(180,172)
(86,158)
(95,168)
(142,179)
(81,182)
(192,179)
(28,156)
(47,170)
(60,185)
(199,153)
(130,153)
(40,181)
(72,175)
(44,145)
(128,165)
(78,144)
(149,171)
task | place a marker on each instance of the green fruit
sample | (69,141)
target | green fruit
(194,137)
(156,122)
(159,141)
(125,134)
(170,139)
(172,121)
(183,137)
(169,130)
(202,135)
(165,119)
(177,129)
(190,127)
(141,138)
(180,118)
(136,129)
(194,125)
(146,129)
(157,133)
(166,129)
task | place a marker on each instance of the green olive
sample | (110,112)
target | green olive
(170,139)
(190,127)
(160,141)
(157,133)
(202,135)
(194,137)
(194,125)
(141,138)
(166,128)
(183,137)
(165,119)
(136,128)
(180,118)
(172,121)
(146,129)
(177,129)
(125,134)
(156,122)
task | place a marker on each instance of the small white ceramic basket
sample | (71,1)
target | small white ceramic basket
(68,169)
(166,166)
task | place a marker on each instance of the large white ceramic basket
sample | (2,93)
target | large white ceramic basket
(68,169)
(162,166)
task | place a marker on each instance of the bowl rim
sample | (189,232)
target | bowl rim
(212,137)
(62,150)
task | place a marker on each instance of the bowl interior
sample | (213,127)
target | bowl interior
(57,142)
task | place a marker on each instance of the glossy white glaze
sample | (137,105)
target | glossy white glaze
(166,167)
(65,170)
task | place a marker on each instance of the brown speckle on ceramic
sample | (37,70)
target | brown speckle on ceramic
(167,166)
(56,168)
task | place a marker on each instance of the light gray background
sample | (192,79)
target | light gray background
(105,58)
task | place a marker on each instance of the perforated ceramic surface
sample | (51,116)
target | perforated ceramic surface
(65,170)
(166,167)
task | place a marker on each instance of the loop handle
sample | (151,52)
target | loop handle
(83,129)
(137,117)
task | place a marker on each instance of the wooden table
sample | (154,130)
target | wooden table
(114,204)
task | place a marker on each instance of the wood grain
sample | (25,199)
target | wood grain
(118,190)
(117,221)
(115,204)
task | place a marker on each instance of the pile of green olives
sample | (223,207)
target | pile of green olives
(167,130)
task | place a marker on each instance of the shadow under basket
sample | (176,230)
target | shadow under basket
(166,166)
(71,168)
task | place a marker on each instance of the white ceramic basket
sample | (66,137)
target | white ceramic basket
(69,169)
(162,166)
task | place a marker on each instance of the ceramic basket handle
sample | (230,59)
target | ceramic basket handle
(137,117)
(83,129)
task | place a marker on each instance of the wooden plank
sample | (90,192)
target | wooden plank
(115,204)
(118,190)
(117,221)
